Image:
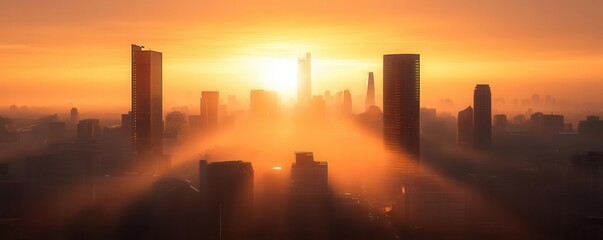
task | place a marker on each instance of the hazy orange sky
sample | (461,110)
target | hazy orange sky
(78,52)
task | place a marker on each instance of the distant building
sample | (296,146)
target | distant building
(370,92)
(308,177)
(88,129)
(429,121)
(465,127)
(74,118)
(500,122)
(482,116)
(347,102)
(547,123)
(175,125)
(304,80)
(147,100)
(552,123)
(233,103)
(519,120)
(401,116)
(263,104)
(317,108)
(210,101)
(592,127)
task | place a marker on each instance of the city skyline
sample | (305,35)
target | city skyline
(266,52)
(301,120)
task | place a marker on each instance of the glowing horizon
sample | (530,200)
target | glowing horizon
(73,53)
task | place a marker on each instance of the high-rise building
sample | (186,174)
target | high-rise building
(308,177)
(263,104)
(347,102)
(88,129)
(71,126)
(304,80)
(482,116)
(465,127)
(210,101)
(370,92)
(228,188)
(147,111)
(401,111)
(175,125)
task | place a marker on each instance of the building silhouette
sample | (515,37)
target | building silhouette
(263,104)
(500,122)
(401,111)
(547,123)
(317,108)
(482,116)
(308,177)
(74,118)
(147,111)
(126,128)
(210,101)
(175,125)
(228,189)
(370,92)
(347,102)
(592,127)
(553,123)
(89,129)
(304,80)
(465,127)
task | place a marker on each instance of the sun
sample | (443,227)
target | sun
(279,74)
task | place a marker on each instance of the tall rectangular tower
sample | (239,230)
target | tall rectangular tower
(370,92)
(401,111)
(482,116)
(210,101)
(304,80)
(146,119)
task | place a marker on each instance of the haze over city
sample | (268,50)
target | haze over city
(301,119)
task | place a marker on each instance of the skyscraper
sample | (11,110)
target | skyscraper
(88,129)
(147,111)
(72,123)
(401,111)
(210,101)
(228,189)
(175,125)
(304,80)
(370,92)
(347,102)
(263,104)
(482,116)
(465,127)
(308,177)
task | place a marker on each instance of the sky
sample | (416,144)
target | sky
(72,52)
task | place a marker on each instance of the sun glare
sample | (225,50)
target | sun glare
(279,75)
